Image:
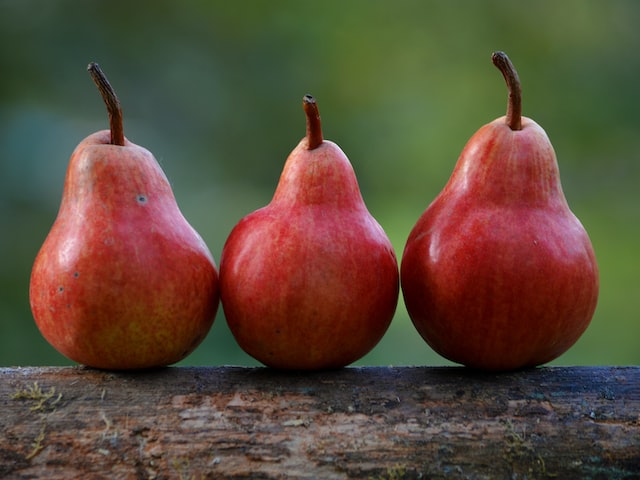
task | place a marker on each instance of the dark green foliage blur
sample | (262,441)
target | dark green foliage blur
(214,89)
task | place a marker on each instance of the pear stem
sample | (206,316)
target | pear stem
(314,127)
(514,105)
(111,101)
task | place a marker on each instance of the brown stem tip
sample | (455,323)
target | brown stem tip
(314,127)
(111,101)
(514,105)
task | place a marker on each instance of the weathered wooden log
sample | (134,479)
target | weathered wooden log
(372,423)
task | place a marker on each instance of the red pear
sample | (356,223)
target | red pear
(498,273)
(311,280)
(122,281)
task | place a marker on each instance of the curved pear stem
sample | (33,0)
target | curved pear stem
(314,127)
(514,105)
(111,101)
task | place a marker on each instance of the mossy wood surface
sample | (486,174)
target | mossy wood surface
(371,423)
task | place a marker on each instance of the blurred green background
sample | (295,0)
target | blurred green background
(214,90)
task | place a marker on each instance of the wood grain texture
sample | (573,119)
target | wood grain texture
(368,423)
